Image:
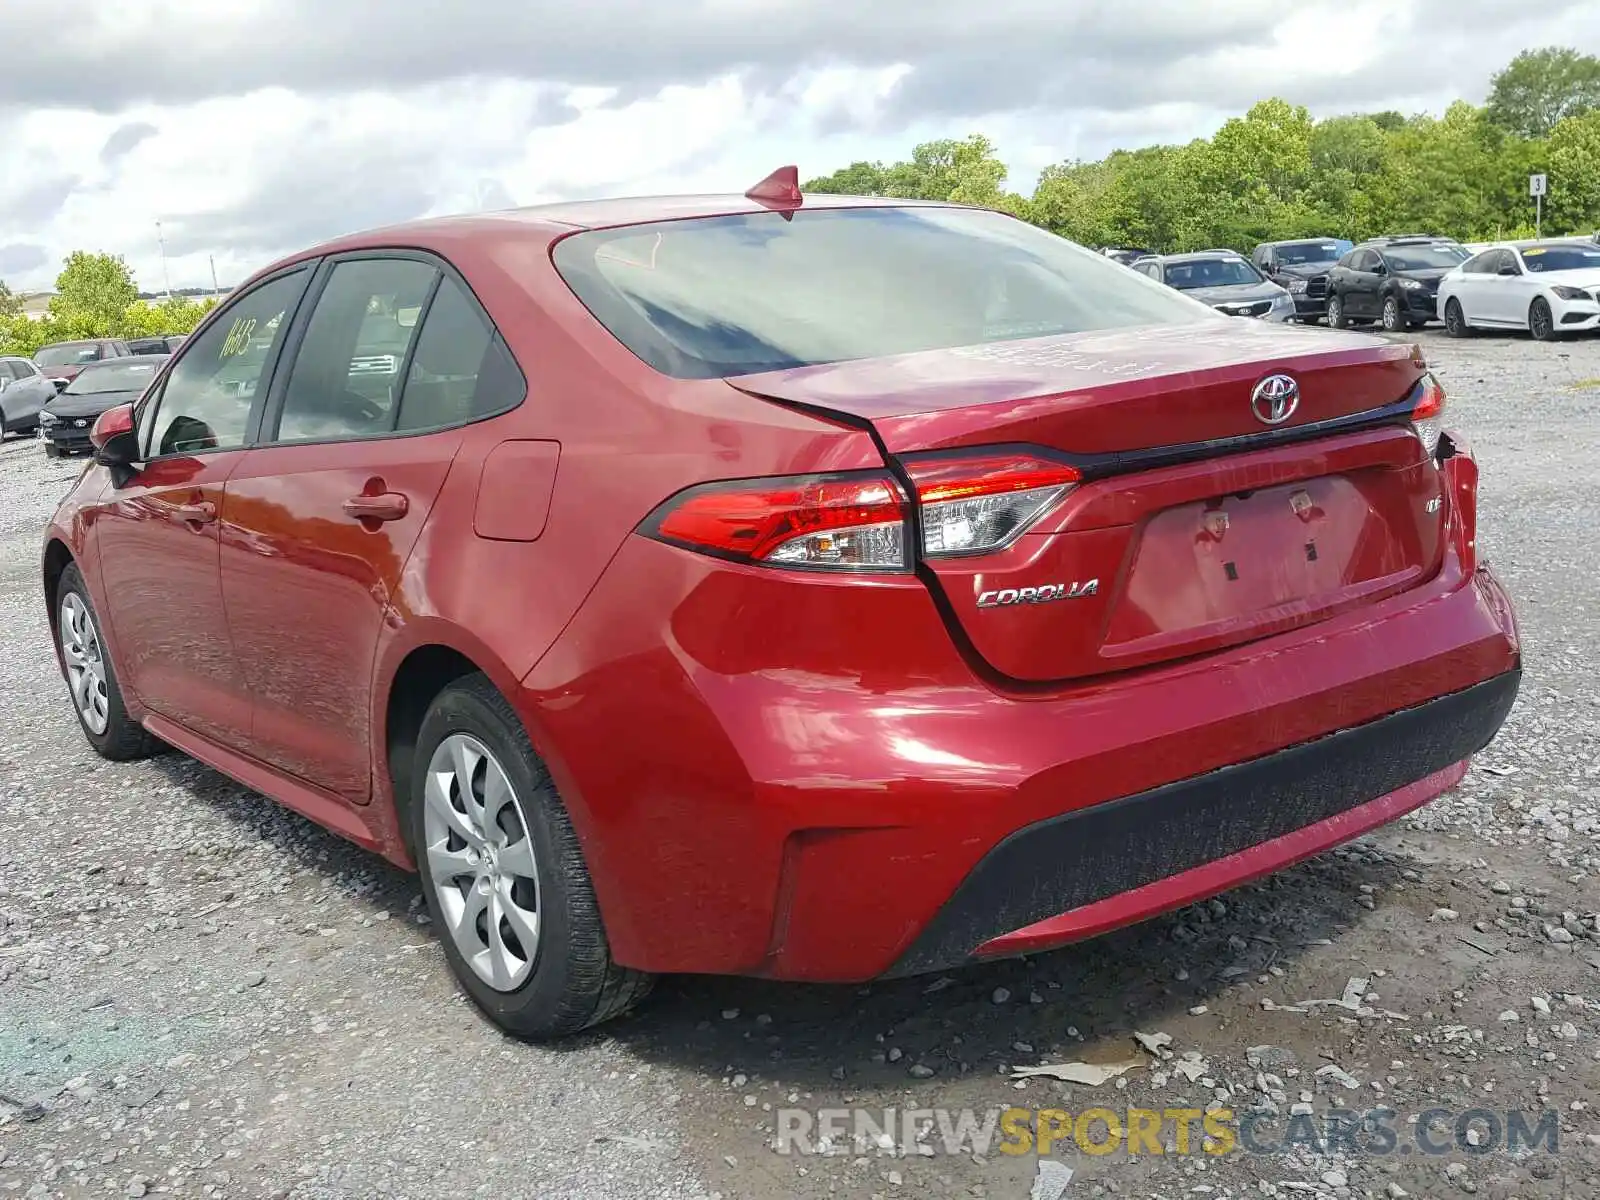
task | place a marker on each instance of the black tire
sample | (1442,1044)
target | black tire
(1336,317)
(573,983)
(1455,321)
(1394,319)
(1541,322)
(51,450)
(123,738)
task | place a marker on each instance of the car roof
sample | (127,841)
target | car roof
(1197,256)
(77,342)
(566,216)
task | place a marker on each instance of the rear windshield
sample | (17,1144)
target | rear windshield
(124,376)
(720,296)
(66,354)
(1211,272)
(1561,258)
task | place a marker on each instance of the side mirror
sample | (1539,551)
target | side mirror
(115,440)
(1509,269)
(1380,269)
(61,385)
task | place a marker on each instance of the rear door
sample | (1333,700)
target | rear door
(319,519)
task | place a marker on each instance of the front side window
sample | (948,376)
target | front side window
(22,368)
(1479,264)
(345,381)
(713,297)
(206,402)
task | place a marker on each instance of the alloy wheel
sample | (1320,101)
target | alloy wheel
(1454,324)
(1335,312)
(480,859)
(1391,315)
(1540,322)
(85,661)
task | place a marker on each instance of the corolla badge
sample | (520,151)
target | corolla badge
(1275,399)
(1042,594)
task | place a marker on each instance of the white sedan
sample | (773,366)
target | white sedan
(1548,288)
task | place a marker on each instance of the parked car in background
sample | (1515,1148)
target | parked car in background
(1126,255)
(1548,288)
(63,360)
(1301,267)
(1223,279)
(1393,280)
(818,588)
(64,422)
(155,345)
(24,391)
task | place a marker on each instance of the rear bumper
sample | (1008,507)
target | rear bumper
(1129,859)
(803,778)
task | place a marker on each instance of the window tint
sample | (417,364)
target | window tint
(1211,272)
(22,368)
(346,374)
(1539,259)
(1479,264)
(461,370)
(1424,258)
(205,404)
(723,296)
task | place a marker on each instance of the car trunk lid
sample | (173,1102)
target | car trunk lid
(1200,522)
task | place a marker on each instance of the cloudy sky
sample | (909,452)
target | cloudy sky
(249,128)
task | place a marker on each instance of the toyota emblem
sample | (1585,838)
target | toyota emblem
(1275,399)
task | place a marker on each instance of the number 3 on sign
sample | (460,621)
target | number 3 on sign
(238,337)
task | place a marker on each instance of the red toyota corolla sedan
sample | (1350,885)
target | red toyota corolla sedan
(817,588)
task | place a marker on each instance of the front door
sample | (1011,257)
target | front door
(320,519)
(158,533)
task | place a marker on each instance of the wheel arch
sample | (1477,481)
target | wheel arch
(58,557)
(411,674)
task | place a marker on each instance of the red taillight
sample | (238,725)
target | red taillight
(840,522)
(973,505)
(1427,415)
(968,504)
(1430,403)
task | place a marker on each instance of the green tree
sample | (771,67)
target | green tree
(964,171)
(858,179)
(1541,88)
(95,289)
(10,303)
(1573,154)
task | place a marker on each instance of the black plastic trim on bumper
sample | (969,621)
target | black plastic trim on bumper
(1066,862)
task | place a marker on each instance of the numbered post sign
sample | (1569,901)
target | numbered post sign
(1537,185)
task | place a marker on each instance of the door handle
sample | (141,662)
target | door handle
(390,506)
(201,513)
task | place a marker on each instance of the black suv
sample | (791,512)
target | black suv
(1302,266)
(1392,280)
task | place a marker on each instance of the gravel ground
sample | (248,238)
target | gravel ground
(202,994)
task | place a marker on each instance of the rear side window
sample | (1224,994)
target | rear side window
(724,296)
(461,370)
